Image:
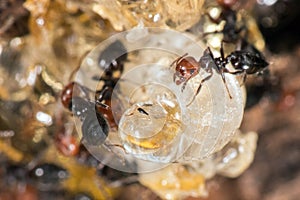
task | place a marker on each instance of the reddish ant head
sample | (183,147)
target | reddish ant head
(186,68)
(66,95)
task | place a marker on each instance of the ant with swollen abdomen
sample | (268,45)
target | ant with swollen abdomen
(96,115)
(111,65)
(244,62)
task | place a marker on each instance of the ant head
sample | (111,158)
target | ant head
(187,67)
(66,95)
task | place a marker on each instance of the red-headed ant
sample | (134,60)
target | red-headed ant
(244,62)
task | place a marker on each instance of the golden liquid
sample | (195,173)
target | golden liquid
(165,136)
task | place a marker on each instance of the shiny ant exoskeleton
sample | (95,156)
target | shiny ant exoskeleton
(243,62)
(112,57)
(97,114)
(94,126)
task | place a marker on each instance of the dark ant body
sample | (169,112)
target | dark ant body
(112,57)
(244,62)
(104,98)
(111,60)
(95,125)
(94,128)
(97,114)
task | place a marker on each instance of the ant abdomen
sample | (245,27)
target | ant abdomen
(80,107)
(94,128)
(246,61)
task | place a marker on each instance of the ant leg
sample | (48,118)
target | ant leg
(244,79)
(178,59)
(222,50)
(140,110)
(237,72)
(224,81)
(220,70)
(210,53)
(185,82)
(106,107)
(200,86)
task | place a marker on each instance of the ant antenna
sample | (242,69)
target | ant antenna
(178,59)
(220,69)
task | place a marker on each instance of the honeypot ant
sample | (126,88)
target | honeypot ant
(244,62)
(97,114)
(95,128)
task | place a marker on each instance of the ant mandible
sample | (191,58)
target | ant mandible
(244,62)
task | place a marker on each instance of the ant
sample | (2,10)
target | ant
(244,62)
(111,60)
(103,97)
(97,116)
(94,128)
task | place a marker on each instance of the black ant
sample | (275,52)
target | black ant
(244,62)
(95,127)
(97,115)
